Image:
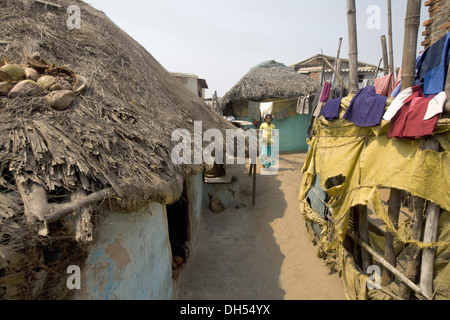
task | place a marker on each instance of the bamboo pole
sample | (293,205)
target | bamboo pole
(412,23)
(352,47)
(385,55)
(391,41)
(336,63)
(389,253)
(388,266)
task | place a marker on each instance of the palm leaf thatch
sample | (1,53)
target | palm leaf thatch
(271,80)
(115,135)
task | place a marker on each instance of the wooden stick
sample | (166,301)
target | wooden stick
(61,210)
(412,23)
(35,202)
(392,269)
(333,79)
(364,235)
(322,75)
(46,3)
(428,255)
(430,234)
(352,47)
(328,63)
(389,253)
(254,186)
(82,219)
(391,45)
(378,70)
(385,55)
(415,255)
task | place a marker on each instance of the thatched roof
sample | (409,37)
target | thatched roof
(116,134)
(271,80)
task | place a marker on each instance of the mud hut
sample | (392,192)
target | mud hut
(287,94)
(87,186)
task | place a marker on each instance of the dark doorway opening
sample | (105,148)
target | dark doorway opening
(178,224)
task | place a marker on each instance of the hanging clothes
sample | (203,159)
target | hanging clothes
(331,109)
(398,102)
(436,106)
(366,108)
(385,85)
(265,108)
(418,116)
(303,105)
(323,98)
(433,66)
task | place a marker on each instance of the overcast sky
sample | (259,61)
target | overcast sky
(221,40)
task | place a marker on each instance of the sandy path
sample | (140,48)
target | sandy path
(262,252)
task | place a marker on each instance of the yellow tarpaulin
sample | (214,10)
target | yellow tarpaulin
(366,160)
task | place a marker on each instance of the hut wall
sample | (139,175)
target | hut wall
(131,258)
(195,194)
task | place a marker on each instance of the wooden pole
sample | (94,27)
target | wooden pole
(60,211)
(378,70)
(412,23)
(389,253)
(322,75)
(364,235)
(254,186)
(387,265)
(328,63)
(430,234)
(428,255)
(385,55)
(415,252)
(390,37)
(336,63)
(352,47)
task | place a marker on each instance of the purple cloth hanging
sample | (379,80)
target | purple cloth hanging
(331,109)
(325,92)
(366,108)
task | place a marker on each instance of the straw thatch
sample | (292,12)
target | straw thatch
(271,80)
(115,137)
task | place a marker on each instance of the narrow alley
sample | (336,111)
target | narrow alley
(259,253)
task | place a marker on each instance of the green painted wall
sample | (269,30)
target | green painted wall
(293,132)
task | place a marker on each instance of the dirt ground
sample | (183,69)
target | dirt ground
(261,252)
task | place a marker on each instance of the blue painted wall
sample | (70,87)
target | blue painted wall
(130,258)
